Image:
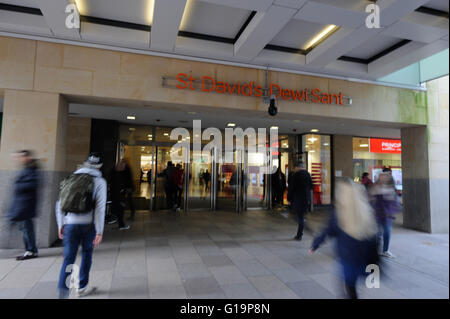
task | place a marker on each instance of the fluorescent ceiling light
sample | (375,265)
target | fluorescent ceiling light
(274,127)
(186,14)
(320,36)
(231,124)
(150,11)
(325,144)
(312,151)
(363,145)
(81,7)
(131,117)
(314,130)
(166,134)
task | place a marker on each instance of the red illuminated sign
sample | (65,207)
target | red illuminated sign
(378,145)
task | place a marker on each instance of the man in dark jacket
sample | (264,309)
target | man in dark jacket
(299,190)
(24,202)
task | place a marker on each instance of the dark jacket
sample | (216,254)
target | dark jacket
(119,182)
(25,195)
(353,253)
(299,189)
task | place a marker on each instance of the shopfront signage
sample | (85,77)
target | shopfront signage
(378,145)
(208,84)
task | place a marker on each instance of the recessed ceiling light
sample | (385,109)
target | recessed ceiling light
(363,145)
(166,134)
(312,151)
(325,144)
(231,124)
(325,32)
(314,130)
(150,135)
(131,117)
(274,127)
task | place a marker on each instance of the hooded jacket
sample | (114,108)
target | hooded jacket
(25,194)
(97,216)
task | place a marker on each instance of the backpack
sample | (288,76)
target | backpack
(76,194)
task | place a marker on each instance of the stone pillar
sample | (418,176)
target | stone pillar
(438,153)
(343,155)
(35,121)
(416,189)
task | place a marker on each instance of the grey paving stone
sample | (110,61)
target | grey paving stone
(202,286)
(168,292)
(129,288)
(226,244)
(228,275)
(252,268)
(44,290)
(241,291)
(14,293)
(290,275)
(217,261)
(196,270)
(310,290)
(265,284)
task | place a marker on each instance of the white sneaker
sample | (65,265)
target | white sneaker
(125,227)
(82,292)
(388,254)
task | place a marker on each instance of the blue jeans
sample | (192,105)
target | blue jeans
(29,237)
(74,235)
(385,233)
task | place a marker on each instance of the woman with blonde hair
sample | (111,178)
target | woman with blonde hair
(353,225)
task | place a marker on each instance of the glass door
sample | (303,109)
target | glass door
(254,180)
(229,177)
(169,181)
(200,181)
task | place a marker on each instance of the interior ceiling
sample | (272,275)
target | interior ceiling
(259,32)
(176,116)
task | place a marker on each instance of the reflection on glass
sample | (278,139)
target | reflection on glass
(319,166)
(200,181)
(253,180)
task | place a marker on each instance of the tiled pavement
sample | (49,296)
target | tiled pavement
(226,255)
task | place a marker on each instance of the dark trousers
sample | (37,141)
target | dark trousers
(170,194)
(74,236)
(131,204)
(29,237)
(299,208)
(118,210)
(179,195)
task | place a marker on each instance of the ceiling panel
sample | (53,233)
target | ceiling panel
(355,5)
(297,33)
(133,11)
(373,46)
(438,5)
(211,19)
(22,3)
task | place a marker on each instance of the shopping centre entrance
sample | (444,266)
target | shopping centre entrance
(205,182)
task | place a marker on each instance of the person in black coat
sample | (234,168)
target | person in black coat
(299,190)
(24,202)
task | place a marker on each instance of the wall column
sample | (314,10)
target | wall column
(35,121)
(343,155)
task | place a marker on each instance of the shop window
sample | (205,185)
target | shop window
(372,155)
(318,157)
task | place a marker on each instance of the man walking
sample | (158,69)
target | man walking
(80,215)
(23,208)
(299,190)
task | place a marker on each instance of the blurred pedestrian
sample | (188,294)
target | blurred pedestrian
(386,204)
(353,225)
(366,181)
(299,191)
(24,201)
(170,187)
(80,215)
(179,183)
(120,184)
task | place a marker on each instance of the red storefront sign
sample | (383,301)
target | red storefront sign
(378,145)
